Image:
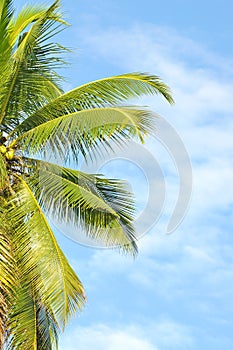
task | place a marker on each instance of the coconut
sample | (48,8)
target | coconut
(10,154)
(3,149)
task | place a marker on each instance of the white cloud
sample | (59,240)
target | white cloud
(101,337)
(163,334)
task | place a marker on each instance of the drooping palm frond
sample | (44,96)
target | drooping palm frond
(22,319)
(84,130)
(32,325)
(47,328)
(103,208)
(8,280)
(53,280)
(29,322)
(101,93)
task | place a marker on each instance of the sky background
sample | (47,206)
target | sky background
(178,292)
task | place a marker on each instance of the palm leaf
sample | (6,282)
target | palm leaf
(100,93)
(54,281)
(22,320)
(29,321)
(8,280)
(47,328)
(33,81)
(6,13)
(103,208)
(27,16)
(82,131)
(31,324)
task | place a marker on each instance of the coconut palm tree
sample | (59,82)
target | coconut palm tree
(39,290)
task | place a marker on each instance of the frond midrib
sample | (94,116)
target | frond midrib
(61,118)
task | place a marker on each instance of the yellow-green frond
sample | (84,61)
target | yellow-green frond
(54,281)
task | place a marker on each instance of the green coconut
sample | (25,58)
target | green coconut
(10,154)
(3,149)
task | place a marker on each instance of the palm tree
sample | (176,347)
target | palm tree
(39,290)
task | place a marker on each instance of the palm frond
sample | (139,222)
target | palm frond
(22,319)
(83,131)
(8,281)
(103,208)
(27,16)
(54,281)
(28,321)
(101,93)
(31,324)
(33,81)
(47,328)
(6,13)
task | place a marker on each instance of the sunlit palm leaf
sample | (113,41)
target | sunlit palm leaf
(33,82)
(22,320)
(101,93)
(103,207)
(27,16)
(6,12)
(8,280)
(32,324)
(47,328)
(82,131)
(56,282)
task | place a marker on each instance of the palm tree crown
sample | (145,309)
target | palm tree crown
(39,291)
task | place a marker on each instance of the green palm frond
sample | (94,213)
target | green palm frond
(54,281)
(6,13)
(82,131)
(101,93)
(27,16)
(103,208)
(47,328)
(32,324)
(8,280)
(29,320)
(33,82)
(6,10)
(22,319)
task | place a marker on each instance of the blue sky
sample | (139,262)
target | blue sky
(178,292)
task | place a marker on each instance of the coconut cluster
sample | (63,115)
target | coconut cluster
(7,152)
